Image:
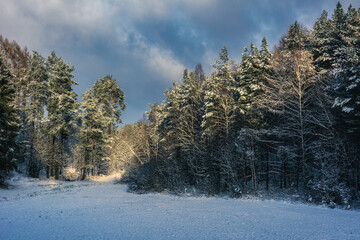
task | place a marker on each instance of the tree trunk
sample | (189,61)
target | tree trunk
(83,173)
(267,171)
(284,172)
(56,170)
(47,171)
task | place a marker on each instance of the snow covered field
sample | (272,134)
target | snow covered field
(99,209)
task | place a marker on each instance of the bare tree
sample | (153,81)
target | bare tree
(290,94)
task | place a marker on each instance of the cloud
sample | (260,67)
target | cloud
(160,61)
(143,10)
(164,63)
(43,24)
(49,24)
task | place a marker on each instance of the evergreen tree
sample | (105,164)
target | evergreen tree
(155,117)
(338,31)
(347,87)
(9,122)
(92,135)
(36,92)
(62,108)
(174,163)
(101,110)
(18,60)
(297,38)
(189,127)
(220,106)
(219,122)
(320,42)
(251,78)
(111,96)
(346,93)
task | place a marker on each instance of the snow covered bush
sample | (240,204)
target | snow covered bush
(327,184)
(71,174)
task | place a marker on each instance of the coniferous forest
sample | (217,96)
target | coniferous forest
(282,120)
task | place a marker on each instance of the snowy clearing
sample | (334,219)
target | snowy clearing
(99,209)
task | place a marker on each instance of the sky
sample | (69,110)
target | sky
(146,44)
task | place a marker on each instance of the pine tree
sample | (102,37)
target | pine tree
(111,96)
(338,31)
(297,38)
(220,106)
(346,93)
(62,108)
(173,164)
(9,122)
(347,87)
(36,92)
(18,59)
(251,77)
(101,110)
(320,42)
(92,135)
(189,127)
(155,117)
(219,122)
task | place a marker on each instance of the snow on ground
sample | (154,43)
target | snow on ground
(99,209)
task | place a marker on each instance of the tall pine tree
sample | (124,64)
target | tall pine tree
(61,108)
(36,92)
(9,122)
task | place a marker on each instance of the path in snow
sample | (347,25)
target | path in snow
(99,209)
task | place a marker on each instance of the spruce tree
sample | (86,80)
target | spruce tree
(9,122)
(297,38)
(347,86)
(220,105)
(250,77)
(174,164)
(189,127)
(155,117)
(219,122)
(339,29)
(320,40)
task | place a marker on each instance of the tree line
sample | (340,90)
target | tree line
(285,120)
(282,120)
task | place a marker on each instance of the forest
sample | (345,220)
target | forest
(282,120)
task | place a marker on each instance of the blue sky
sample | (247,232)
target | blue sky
(146,44)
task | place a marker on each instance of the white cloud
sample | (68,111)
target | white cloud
(164,63)
(81,14)
(159,61)
(43,25)
(159,9)
(39,24)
